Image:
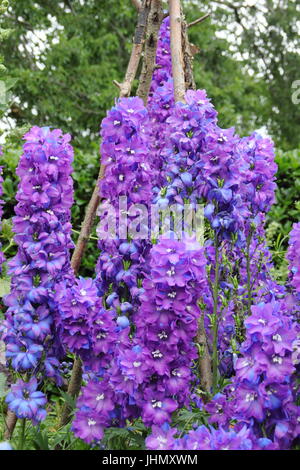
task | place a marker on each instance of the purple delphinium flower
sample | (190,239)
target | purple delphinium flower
(293,256)
(166,325)
(84,326)
(204,438)
(43,234)
(263,388)
(88,426)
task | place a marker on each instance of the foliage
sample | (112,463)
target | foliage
(286,211)
(65,54)
(263,39)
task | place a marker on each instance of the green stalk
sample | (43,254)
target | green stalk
(215,359)
(22,435)
(248,268)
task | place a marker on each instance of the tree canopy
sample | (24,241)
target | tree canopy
(62,56)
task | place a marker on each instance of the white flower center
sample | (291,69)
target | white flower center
(156,404)
(162,335)
(250,397)
(172,295)
(277,360)
(171,271)
(157,354)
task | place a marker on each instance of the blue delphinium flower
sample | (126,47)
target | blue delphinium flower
(26,401)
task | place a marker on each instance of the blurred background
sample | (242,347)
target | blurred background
(58,60)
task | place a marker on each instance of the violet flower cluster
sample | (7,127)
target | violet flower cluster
(150,374)
(203,438)
(42,233)
(264,391)
(166,327)
(155,293)
(85,327)
(126,156)
(293,256)
(161,101)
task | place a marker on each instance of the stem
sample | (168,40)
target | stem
(187,56)
(73,390)
(137,49)
(11,243)
(176,50)
(204,360)
(22,434)
(87,225)
(154,21)
(215,359)
(137,4)
(199,20)
(248,269)
(10,423)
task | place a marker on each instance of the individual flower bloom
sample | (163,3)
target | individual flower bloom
(275,394)
(178,380)
(98,396)
(88,426)
(262,322)
(103,329)
(250,401)
(39,324)
(282,340)
(135,363)
(24,355)
(200,439)
(278,368)
(158,411)
(26,401)
(160,359)
(232,440)
(250,367)
(85,292)
(218,410)
(161,438)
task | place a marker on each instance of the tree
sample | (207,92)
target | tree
(66,54)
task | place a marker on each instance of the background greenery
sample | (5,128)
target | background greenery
(61,57)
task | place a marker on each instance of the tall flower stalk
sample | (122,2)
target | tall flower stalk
(43,235)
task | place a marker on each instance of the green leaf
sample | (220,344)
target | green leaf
(3,386)
(7,232)
(4,287)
